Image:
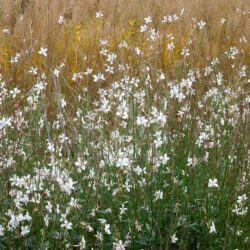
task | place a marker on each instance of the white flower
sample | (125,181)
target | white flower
(25,230)
(50,147)
(76,76)
(185,52)
(170,19)
(82,244)
(15,59)
(49,207)
(241,198)
(111,58)
(233,51)
(107,229)
(61,20)
(243,39)
(46,220)
(192,161)
(63,103)
(66,224)
(2,230)
(14,92)
(212,228)
(201,24)
(138,170)
(239,232)
(109,69)
(99,14)
(174,238)
(81,165)
(158,195)
(165,159)
(153,34)
(99,236)
(123,162)
(5,122)
(56,72)
(6,31)
(99,77)
(119,246)
(222,20)
(43,51)
(103,51)
(148,19)
(33,71)
(73,203)
(123,44)
(88,71)
(142,121)
(102,221)
(138,51)
(213,183)
(170,36)
(103,42)
(123,209)
(143,28)
(68,186)
(27,217)
(170,46)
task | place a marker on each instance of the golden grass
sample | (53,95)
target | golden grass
(33,23)
(39,17)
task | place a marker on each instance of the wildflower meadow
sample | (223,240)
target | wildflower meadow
(125,124)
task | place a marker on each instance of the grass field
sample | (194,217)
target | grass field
(124,124)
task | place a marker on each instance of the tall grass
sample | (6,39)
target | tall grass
(124,125)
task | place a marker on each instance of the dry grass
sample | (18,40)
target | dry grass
(34,23)
(150,150)
(24,16)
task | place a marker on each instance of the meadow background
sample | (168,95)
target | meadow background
(124,124)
